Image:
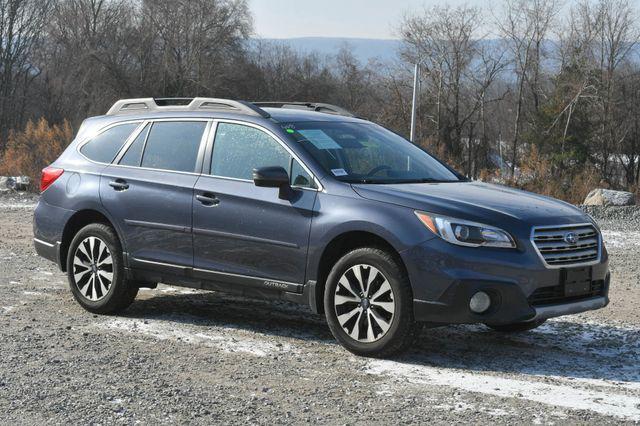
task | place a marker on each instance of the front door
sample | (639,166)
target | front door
(243,233)
(149,192)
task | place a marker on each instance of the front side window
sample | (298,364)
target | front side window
(239,149)
(173,145)
(104,147)
(367,153)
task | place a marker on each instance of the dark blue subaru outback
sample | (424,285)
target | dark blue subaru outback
(305,202)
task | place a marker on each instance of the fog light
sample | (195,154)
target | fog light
(480,302)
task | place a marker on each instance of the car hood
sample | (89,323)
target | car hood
(490,203)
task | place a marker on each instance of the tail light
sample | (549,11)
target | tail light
(49,175)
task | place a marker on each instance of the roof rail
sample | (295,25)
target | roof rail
(143,105)
(318,107)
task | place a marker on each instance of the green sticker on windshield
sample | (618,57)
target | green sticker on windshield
(290,131)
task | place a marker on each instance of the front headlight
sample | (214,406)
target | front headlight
(465,233)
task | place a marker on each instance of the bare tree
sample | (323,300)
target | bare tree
(21,24)
(443,40)
(524,27)
(193,42)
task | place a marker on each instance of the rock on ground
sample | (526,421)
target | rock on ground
(608,197)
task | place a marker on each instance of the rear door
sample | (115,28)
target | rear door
(248,235)
(149,192)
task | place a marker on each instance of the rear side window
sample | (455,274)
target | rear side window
(173,145)
(104,147)
(133,155)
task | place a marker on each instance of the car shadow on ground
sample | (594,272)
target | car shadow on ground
(561,347)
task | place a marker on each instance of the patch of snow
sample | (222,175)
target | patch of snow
(8,308)
(567,396)
(588,352)
(251,344)
(26,206)
(584,337)
(618,239)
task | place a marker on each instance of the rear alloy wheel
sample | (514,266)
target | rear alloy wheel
(95,270)
(368,303)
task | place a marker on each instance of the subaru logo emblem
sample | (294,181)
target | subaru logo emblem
(571,238)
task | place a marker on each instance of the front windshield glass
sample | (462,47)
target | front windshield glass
(367,153)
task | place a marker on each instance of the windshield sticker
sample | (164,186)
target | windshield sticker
(290,131)
(339,172)
(319,139)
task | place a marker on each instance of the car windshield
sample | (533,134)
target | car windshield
(367,153)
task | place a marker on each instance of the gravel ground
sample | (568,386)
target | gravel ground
(185,356)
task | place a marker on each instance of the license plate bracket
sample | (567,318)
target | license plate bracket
(577,281)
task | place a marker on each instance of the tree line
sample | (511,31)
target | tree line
(534,93)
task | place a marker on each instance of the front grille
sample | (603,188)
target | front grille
(551,243)
(556,295)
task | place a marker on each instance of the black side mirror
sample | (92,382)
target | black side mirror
(274,177)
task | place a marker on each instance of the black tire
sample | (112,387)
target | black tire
(517,327)
(402,330)
(120,293)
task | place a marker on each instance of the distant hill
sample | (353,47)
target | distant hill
(363,48)
(386,50)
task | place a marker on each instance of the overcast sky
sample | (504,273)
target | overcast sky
(336,18)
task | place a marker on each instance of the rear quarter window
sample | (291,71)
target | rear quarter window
(104,147)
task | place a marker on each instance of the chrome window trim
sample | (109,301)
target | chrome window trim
(278,140)
(212,128)
(568,265)
(89,138)
(154,170)
(127,144)
(251,182)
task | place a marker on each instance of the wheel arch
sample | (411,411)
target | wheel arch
(338,247)
(76,222)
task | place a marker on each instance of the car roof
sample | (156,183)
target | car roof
(278,115)
(283,115)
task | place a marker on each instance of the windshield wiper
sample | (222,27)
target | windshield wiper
(429,180)
(397,181)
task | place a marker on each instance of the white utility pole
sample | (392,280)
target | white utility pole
(414,106)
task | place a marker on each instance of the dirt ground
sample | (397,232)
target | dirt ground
(184,356)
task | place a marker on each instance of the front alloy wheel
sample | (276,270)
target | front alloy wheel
(364,303)
(368,303)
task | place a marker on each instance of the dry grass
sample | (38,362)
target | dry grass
(34,148)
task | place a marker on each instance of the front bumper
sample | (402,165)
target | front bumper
(544,312)
(444,277)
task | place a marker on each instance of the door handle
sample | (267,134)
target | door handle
(119,184)
(208,199)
